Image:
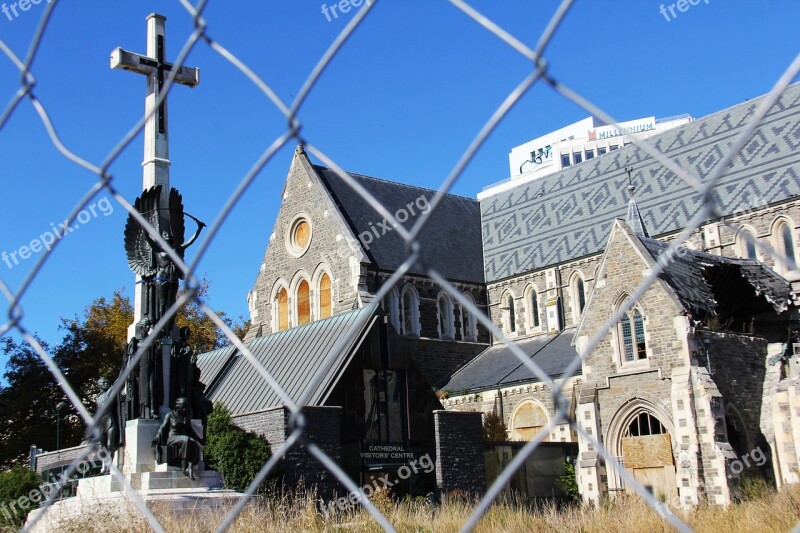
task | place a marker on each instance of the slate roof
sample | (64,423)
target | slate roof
(689,275)
(451,241)
(292,357)
(498,366)
(569,214)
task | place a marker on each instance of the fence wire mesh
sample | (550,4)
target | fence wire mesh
(539,75)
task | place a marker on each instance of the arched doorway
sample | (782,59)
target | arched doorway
(646,452)
(737,436)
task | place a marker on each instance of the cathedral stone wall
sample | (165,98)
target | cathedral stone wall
(761,220)
(550,284)
(329,249)
(322,427)
(737,364)
(715,237)
(438,359)
(623,270)
(428,292)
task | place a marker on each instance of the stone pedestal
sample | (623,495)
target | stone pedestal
(152,482)
(138,452)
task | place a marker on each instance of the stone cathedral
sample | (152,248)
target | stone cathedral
(694,388)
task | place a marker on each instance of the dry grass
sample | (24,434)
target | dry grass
(771,511)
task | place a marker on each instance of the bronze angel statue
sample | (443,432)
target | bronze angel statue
(149,260)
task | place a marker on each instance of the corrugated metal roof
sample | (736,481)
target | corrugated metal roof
(450,242)
(212,363)
(292,357)
(569,214)
(497,365)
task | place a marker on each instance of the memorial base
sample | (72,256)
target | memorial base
(154,483)
(105,500)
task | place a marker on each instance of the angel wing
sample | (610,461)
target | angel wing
(141,257)
(177,224)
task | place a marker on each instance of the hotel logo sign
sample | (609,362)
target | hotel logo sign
(625,128)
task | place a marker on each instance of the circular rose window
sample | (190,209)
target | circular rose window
(299,236)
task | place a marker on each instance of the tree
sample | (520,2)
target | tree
(206,336)
(16,484)
(27,403)
(234,452)
(494,430)
(93,346)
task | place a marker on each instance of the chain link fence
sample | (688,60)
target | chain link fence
(539,74)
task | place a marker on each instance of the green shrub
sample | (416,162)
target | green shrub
(19,482)
(237,454)
(569,482)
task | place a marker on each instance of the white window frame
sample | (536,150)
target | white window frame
(778,244)
(530,326)
(415,325)
(393,298)
(577,312)
(506,313)
(619,336)
(469,325)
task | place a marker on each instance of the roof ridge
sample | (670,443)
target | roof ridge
(383,180)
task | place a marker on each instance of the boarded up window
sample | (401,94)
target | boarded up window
(325,302)
(302,234)
(647,452)
(303,304)
(528,420)
(283,310)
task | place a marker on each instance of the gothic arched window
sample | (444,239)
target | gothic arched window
(444,312)
(303,303)
(631,337)
(747,244)
(325,299)
(509,313)
(410,311)
(532,301)
(282,305)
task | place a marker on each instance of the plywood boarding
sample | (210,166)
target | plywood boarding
(283,310)
(648,451)
(303,304)
(325,296)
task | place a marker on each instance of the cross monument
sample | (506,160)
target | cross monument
(166,371)
(156,130)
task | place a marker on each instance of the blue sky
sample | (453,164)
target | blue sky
(402,101)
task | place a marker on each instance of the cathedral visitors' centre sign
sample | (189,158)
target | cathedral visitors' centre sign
(376,453)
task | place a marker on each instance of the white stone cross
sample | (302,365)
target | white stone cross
(157,70)
(155,167)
